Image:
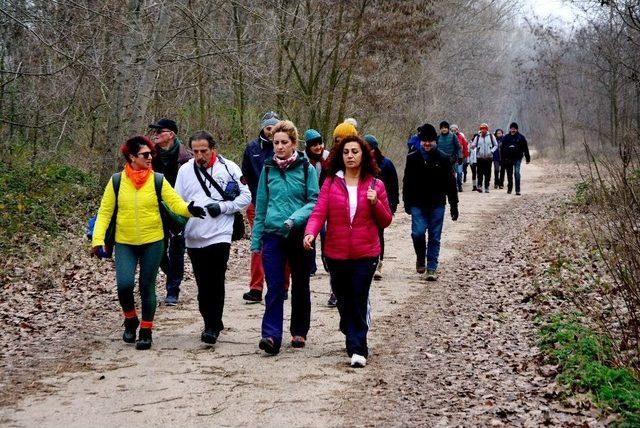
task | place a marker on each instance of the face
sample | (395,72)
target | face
(454,130)
(444,130)
(202,152)
(352,155)
(483,131)
(499,134)
(162,136)
(428,145)
(317,148)
(513,131)
(283,146)
(268,131)
(141,160)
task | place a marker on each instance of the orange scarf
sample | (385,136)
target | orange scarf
(138,177)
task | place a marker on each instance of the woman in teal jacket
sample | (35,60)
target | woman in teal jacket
(287,193)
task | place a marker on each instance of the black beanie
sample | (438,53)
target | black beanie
(513,125)
(444,124)
(427,132)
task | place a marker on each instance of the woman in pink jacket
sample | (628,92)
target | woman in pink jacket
(354,204)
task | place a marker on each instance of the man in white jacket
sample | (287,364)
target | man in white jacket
(485,144)
(214,182)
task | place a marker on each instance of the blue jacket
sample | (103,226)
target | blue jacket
(413,142)
(496,154)
(253,161)
(450,146)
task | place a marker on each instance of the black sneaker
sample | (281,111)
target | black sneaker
(333,301)
(459,189)
(420,267)
(268,345)
(253,296)
(130,329)
(144,339)
(517,193)
(209,335)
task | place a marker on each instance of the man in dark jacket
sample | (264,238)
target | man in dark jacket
(255,154)
(171,154)
(514,147)
(389,177)
(428,181)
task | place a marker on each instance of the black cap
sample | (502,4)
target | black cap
(427,132)
(165,124)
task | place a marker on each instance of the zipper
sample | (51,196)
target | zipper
(135,205)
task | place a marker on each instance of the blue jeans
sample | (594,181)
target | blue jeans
(173,263)
(423,221)
(276,251)
(513,169)
(459,168)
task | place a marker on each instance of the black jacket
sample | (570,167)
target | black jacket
(513,148)
(389,177)
(427,184)
(255,154)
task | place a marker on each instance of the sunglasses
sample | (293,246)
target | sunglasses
(146,155)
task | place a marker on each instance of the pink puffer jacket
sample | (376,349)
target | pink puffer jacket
(346,240)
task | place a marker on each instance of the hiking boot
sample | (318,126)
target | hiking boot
(144,339)
(358,361)
(298,341)
(209,335)
(474,188)
(420,268)
(171,300)
(130,329)
(333,301)
(517,193)
(508,192)
(459,189)
(268,345)
(378,273)
(431,275)
(479,189)
(486,190)
(253,296)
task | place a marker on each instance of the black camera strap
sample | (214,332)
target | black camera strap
(210,179)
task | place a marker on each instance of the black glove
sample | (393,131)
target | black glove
(213,209)
(454,212)
(196,211)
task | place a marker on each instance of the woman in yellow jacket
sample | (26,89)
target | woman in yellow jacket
(139,236)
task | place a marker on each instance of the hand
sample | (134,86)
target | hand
(372,196)
(454,212)
(288,224)
(308,242)
(97,251)
(213,209)
(196,211)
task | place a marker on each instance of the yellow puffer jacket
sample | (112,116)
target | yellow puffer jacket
(138,221)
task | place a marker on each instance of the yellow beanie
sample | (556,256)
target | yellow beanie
(344,130)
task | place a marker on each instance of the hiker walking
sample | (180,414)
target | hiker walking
(448,144)
(428,181)
(131,201)
(389,178)
(514,148)
(473,162)
(170,155)
(215,183)
(498,167)
(286,194)
(485,144)
(461,173)
(354,205)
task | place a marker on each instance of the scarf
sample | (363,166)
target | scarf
(137,177)
(168,157)
(213,160)
(284,163)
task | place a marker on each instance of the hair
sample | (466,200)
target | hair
(203,135)
(495,133)
(288,128)
(368,166)
(132,146)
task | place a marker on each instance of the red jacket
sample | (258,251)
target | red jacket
(346,240)
(464,144)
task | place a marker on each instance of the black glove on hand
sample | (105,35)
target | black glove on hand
(213,209)
(196,211)
(454,212)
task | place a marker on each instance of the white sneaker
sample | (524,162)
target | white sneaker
(358,361)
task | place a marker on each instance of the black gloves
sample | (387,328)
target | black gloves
(213,209)
(454,212)
(196,211)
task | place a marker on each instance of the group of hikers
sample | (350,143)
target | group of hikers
(346,196)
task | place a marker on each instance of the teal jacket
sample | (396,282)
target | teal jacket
(283,195)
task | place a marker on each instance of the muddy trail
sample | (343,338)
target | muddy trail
(458,351)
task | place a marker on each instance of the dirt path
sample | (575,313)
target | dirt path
(181,381)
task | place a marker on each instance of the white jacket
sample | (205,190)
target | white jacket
(201,233)
(485,146)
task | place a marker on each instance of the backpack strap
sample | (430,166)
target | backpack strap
(158,179)
(115,181)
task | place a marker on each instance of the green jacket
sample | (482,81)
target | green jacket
(283,195)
